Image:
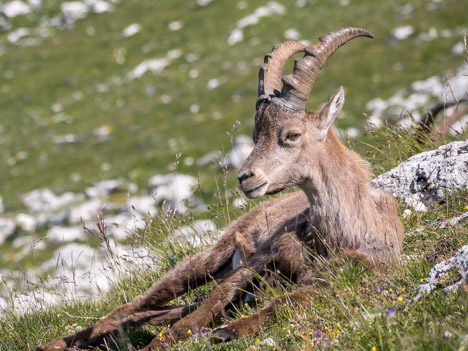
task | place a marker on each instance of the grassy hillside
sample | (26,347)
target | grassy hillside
(366,310)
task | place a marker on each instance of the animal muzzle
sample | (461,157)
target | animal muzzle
(252,183)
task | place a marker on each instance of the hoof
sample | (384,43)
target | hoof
(220,336)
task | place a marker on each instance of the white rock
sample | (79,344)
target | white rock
(453,221)
(402,32)
(104,188)
(210,157)
(15,36)
(65,139)
(72,265)
(142,206)
(28,240)
(459,126)
(26,222)
(155,66)
(174,188)
(3,304)
(271,8)
(60,234)
(123,225)
(432,86)
(406,213)
(73,255)
(458,49)
(131,30)
(31,244)
(458,85)
(31,301)
(377,106)
(175,25)
(352,132)
(406,123)
(203,3)
(239,202)
(427,177)
(87,211)
(44,200)
(213,83)
(292,34)
(15,8)
(270,342)
(235,36)
(74,10)
(7,228)
(458,262)
(200,233)
(102,7)
(35,4)
(241,149)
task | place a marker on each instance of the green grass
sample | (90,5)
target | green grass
(366,309)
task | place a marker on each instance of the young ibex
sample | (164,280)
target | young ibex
(338,211)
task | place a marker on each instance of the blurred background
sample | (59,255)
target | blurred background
(100,99)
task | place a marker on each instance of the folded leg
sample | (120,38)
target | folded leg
(264,318)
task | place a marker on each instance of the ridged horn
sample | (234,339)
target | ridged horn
(269,76)
(298,85)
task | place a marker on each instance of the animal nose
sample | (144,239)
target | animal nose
(241,176)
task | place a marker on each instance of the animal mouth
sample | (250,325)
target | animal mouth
(252,191)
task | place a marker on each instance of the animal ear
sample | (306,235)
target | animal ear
(329,112)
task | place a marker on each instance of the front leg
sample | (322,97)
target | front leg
(264,318)
(222,295)
(188,274)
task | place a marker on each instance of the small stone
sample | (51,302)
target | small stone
(65,234)
(131,30)
(7,228)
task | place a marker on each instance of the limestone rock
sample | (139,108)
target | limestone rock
(65,234)
(427,177)
(459,261)
(174,188)
(241,149)
(7,228)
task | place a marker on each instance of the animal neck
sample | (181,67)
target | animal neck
(337,191)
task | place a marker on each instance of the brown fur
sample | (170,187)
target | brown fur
(337,211)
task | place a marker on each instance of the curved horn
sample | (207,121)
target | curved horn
(298,85)
(269,76)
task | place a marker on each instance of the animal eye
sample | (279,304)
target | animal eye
(293,136)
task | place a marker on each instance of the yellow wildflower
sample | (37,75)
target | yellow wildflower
(189,331)
(257,341)
(400,299)
(373,348)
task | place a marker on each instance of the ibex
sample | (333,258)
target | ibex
(337,211)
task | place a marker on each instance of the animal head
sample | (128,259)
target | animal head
(288,138)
